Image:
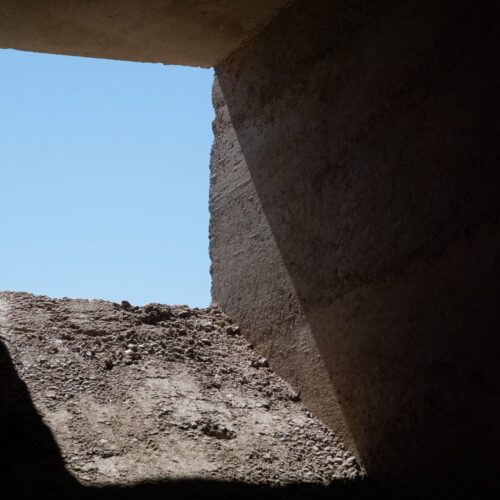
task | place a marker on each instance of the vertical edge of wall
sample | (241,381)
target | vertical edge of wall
(250,282)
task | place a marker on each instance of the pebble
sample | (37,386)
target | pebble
(126,305)
(107,363)
(260,363)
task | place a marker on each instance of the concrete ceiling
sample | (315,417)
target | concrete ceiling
(187,32)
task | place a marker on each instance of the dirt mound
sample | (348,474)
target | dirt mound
(139,393)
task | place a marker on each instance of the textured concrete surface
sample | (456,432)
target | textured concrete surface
(187,32)
(369,131)
(250,280)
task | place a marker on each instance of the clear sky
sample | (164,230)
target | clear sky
(104,179)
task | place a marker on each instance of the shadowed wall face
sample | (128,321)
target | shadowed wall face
(369,133)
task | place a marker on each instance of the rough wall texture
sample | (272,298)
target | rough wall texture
(369,130)
(250,279)
(188,32)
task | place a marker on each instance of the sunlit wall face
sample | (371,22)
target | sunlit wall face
(104,178)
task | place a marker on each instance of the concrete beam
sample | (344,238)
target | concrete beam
(185,32)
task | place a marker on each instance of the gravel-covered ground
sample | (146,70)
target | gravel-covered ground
(106,398)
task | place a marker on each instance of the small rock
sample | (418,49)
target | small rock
(260,363)
(206,325)
(233,330)
(217,431)
(108,364)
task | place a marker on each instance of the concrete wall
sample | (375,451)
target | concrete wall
(355,213)
(188,32)
(250,279)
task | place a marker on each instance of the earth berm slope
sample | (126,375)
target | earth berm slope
(101,399)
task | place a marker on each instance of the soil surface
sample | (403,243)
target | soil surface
(154,401)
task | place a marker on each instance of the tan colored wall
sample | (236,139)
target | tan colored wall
(186,32)
(250,278)
(369,132)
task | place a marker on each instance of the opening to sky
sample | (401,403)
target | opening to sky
(104,179)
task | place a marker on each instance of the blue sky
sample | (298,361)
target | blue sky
(104,179)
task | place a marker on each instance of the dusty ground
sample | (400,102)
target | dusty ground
(102,397)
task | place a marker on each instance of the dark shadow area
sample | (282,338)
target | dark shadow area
(370,138)
(30,460)
(205,489)
(31,466)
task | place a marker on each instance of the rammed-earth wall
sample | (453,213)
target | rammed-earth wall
(354,230)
